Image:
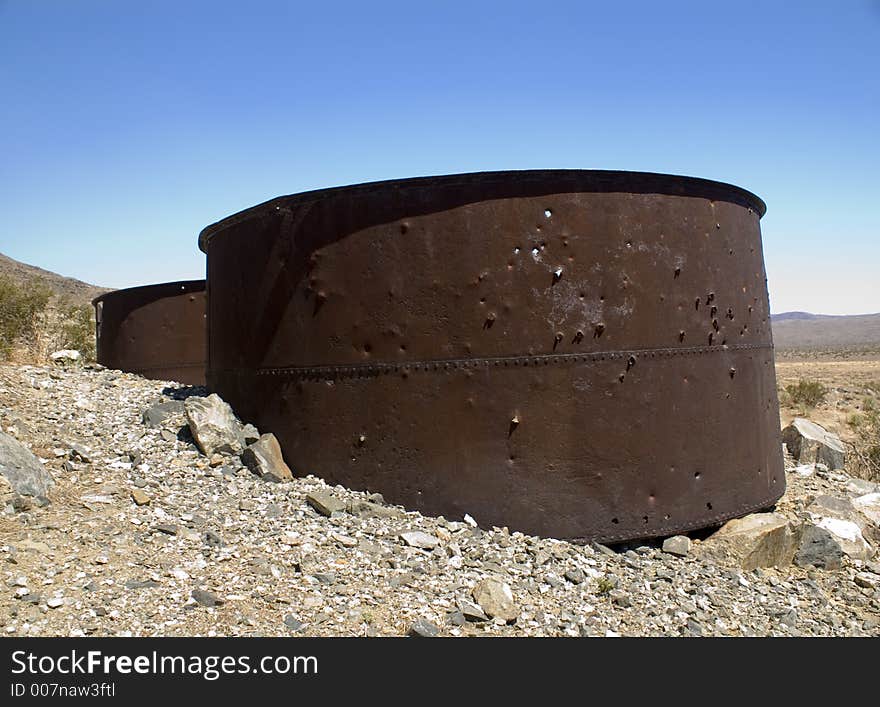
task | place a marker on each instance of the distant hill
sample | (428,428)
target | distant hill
(806,331)
(78,291)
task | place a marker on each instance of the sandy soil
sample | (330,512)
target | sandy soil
(849,382)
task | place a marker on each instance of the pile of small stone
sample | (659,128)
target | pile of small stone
(161,521)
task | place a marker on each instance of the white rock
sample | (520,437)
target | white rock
(869,506)
(65,356)
(848,535)
(416,538)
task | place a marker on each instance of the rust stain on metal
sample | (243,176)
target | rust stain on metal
(441,320)
(157,331)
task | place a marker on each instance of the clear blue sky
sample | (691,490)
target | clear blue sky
(126,127)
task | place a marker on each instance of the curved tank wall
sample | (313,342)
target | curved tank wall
(577,354)
(157,331)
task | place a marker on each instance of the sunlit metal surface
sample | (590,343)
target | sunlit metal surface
(578,354)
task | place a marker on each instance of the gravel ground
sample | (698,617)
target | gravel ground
(146,536)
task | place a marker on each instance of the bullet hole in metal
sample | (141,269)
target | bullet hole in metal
(666,517)
(730,252)
(547,213)
(732,371)
(750,309)
(557,275)
(715,324)
(598,330)
(581,295)
(681,336)
(676,273)
(514,423)
(621,377)
(535,250)
(645,520)
(717,225)
(724,342)
(615,521)
(631,361)
(556,340)
(368,347)
(362,440)
(729,314)
(628,244)
(403,347)
(710,297)
(696,474)
(601,298)
(516,251)
(490,320)
(578,337)
(482,300)
(711,337)
(709,506)
(404,228)
(697,303)
(713,311)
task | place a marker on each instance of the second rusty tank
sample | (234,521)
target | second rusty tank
(157,330)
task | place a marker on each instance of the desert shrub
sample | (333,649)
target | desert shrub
(22,307)
(75,329)
(865,446)
(806,393)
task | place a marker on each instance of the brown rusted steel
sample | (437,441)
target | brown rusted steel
(157,331)
(578,354)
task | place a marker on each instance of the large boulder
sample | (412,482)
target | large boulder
(809,443)
(869,506)
(756,540)
(496,599)
(23,471)
(817,548)
(846,521)
(264,458)
(214,426)
(848,535)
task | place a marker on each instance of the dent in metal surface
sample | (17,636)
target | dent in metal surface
(585,355)
(157,331)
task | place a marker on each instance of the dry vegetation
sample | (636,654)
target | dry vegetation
(840,393)
(34,322)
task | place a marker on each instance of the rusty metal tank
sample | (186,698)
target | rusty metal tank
(157,331)
(578,354)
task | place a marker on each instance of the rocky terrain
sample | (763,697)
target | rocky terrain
(147,509)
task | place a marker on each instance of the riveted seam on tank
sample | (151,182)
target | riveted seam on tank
(379,368)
